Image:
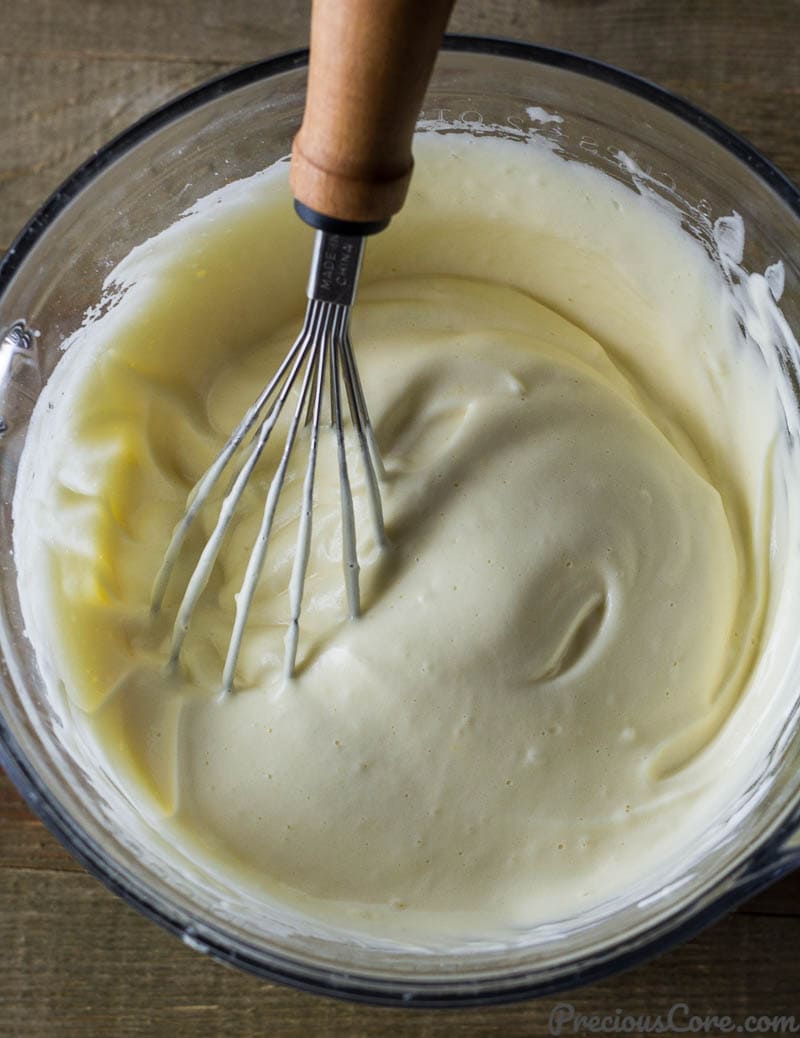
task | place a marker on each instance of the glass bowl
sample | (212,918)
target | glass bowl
(138,185)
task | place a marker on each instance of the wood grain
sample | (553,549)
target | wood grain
(367,78)
(75,962)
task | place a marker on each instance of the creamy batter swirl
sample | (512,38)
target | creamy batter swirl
(530,716)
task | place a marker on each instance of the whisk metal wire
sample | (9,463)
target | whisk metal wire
(322,351)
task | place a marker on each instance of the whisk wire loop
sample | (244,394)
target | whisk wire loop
(321,351)
(255,564)
(303,548)
(349,552)
(370,456)
(205,485)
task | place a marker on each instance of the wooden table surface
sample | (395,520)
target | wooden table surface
(75,962)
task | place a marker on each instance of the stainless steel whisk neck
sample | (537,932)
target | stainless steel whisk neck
(335,266)
(321,353)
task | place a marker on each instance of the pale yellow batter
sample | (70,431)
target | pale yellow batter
(549,695)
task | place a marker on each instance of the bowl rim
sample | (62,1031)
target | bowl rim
(494,46)
(766,863)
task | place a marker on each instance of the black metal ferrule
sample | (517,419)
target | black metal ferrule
(331,225)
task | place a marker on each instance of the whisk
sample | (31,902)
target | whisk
(351,165)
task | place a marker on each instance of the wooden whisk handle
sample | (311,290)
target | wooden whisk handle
(370,64)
